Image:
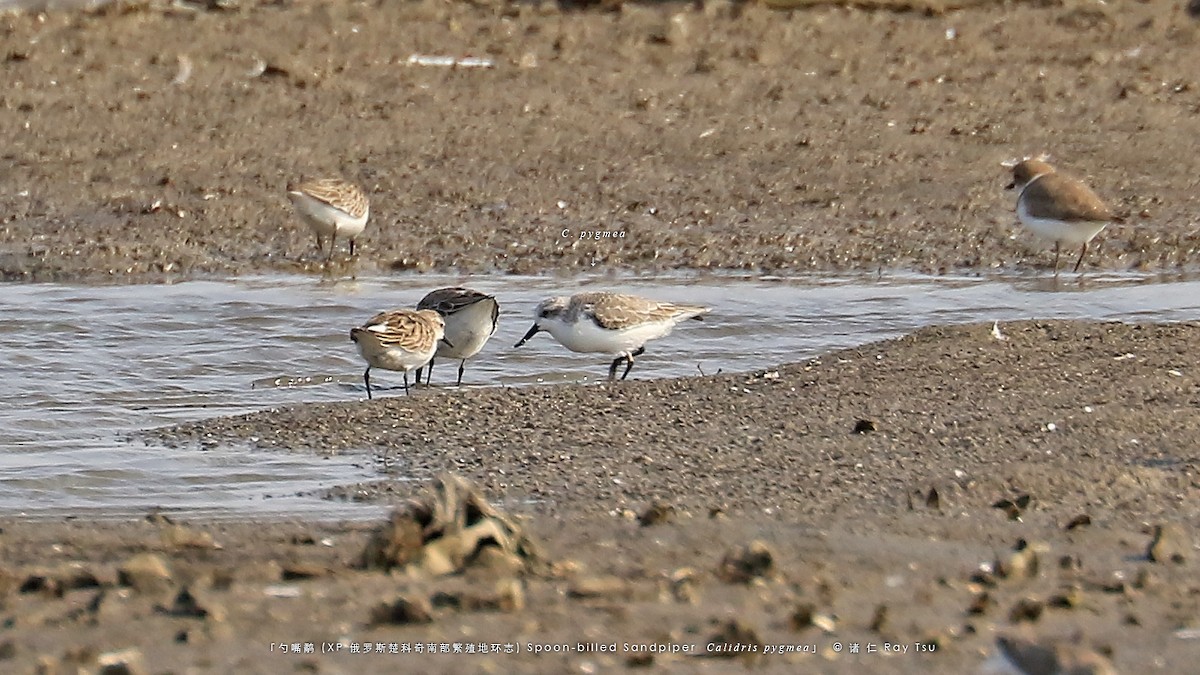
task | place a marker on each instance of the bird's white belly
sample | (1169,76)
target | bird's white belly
(466,343)
(391,358)
(325,219)
(585,336)
(1077,232)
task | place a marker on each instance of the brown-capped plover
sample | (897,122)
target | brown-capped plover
(609,323)
(402,339)
(470,318)
(332,207)
(1057,207)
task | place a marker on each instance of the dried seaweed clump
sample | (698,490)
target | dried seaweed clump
(447,530)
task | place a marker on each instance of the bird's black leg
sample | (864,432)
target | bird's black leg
(406,383)
(1082,252)
(629,360)
(1056,252)
(367,381)
(351,248)
(628,367)
(320,245)
(612,369)
(462,365)
(428,376)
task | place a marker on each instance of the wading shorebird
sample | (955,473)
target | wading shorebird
(609,323)
(471,319)
(1057,207)
(401,339)
(331,207)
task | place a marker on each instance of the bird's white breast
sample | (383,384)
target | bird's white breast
(585,336)
(467,331)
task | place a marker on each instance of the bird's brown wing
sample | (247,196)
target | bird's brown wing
(401,328)
(1063,198)
(335,192)
(449,300)
(615,311)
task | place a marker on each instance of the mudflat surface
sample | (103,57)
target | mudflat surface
(145,142)
(897,532)
(150,143)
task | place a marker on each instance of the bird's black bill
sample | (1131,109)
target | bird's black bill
(1011,185)
(533,330)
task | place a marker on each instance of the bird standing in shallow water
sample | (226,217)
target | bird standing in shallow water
(401,339)
(609,323)
(471,319)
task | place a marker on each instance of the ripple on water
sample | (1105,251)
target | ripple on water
(86,365)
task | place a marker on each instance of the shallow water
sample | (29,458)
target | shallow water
(84,366)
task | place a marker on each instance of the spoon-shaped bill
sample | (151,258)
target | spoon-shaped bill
(533,330)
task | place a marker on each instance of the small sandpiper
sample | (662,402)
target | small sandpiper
(471,319)
(331,207)
(609,323)
(401,339)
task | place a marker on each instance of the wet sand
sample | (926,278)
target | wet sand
(732,137)
(933,491)
(156,143)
